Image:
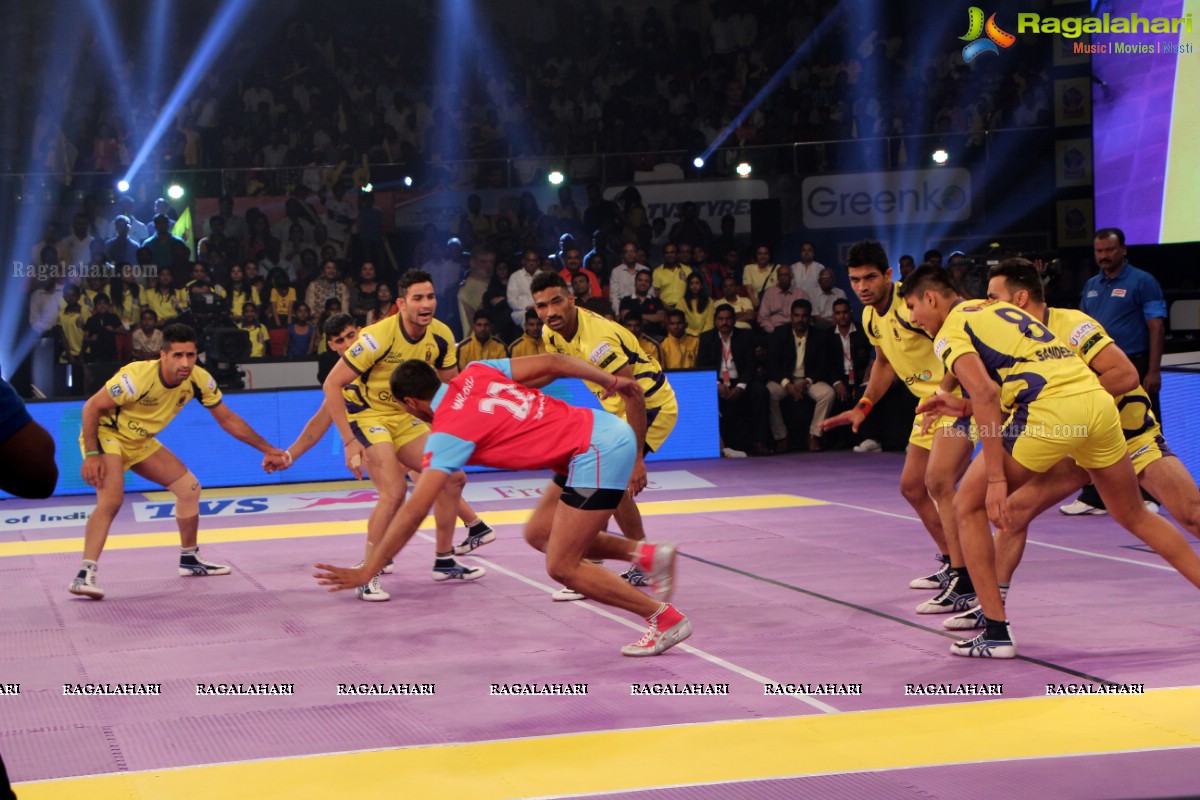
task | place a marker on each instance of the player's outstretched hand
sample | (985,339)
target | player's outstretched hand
(942,403)
(340,578)
(853,418)
(276,460)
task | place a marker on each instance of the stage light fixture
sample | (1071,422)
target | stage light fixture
(940,157)
(368,187)
(556,178)
(408,180)
(743,170)
(122,186)
(698,162)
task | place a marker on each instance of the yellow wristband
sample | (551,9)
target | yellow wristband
(865,405)
(91,453)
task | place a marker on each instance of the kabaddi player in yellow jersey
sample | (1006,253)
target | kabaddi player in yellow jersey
(937,454)
(358,400)
(1035,402)
(581,334)
(1016,281)
(120,423)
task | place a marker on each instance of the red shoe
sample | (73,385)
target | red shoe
(667,628)
(657,561)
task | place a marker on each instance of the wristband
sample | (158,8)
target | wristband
(91,453)
(865,405)
(288,455)
(348,442)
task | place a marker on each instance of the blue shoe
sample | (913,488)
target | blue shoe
(458,572)
(635,577)
(191,564)
(477,537)
(983,647)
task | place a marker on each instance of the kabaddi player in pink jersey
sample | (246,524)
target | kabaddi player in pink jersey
(486,416)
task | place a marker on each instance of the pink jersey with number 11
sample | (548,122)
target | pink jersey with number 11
(484,417)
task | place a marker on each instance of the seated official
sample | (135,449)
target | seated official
(803,361)
(741,397)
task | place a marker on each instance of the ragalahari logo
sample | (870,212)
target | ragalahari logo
(976,27)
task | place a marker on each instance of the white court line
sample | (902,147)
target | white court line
(1028,540)
(865,771)
(709,657)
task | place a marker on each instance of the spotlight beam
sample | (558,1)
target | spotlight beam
(769,87)
(228,17)
(108,38)
(32,216)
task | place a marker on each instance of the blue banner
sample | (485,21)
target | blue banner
(218,459)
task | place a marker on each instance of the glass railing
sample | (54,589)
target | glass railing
(801,158)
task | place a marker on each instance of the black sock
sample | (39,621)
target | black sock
(997,629)
(964,585)
(478,527)
(444,561)
(946,559)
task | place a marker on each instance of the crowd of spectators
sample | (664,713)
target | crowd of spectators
(336,84)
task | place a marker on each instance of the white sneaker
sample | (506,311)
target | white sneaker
(372,592)
(85,584)
(729,452)
(566,595)
(868,446)
(1151,506)
(1079,509)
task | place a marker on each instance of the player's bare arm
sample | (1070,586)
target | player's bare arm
(239,429)
(339,377)
(882,375)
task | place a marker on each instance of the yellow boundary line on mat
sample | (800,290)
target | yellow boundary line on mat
(708,753)
(333,527)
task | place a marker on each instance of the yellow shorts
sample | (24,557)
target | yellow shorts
(1147,448)
(397,429)
(1085,427)
(659,424)
(132,451)
(925,440)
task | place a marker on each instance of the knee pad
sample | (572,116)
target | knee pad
(187,496)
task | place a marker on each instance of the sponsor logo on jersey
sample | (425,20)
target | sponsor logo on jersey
(115,391)
(1080,333)
(1118,293)
(212,384)
(369,341)
(127,382)
(939,347)
(357,350)
(377,429)
(597,355)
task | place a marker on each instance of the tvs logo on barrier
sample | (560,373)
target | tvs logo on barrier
(975,28)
